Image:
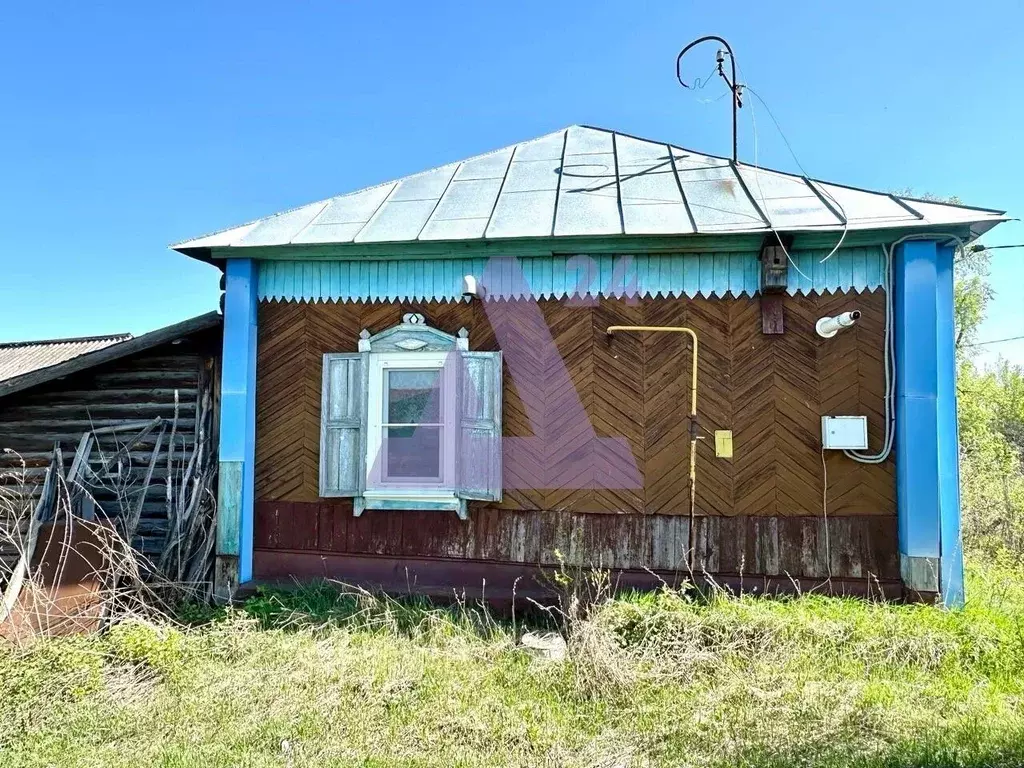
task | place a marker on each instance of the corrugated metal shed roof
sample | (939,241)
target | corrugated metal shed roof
(21,357)
(585,181)
(26,364)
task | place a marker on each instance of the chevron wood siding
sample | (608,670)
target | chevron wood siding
(770,390)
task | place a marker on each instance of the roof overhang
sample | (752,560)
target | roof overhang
(531,247)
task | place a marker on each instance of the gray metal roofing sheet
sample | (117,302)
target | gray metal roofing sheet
(584,181)
(19,358)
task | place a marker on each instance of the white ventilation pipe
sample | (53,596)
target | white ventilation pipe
(471,288)
(827,327)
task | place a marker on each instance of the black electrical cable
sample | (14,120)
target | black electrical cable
(994,341)
(701,83)
(734,86)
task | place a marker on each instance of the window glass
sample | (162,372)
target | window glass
(413,453)
(413,397)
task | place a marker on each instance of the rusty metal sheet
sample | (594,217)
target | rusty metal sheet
(64,595)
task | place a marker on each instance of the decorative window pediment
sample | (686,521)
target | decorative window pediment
(411,421)
(412,335)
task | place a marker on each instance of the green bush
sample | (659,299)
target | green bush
(158,647)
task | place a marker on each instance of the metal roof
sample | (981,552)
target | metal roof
(21,357)
(26,364)
(585,181)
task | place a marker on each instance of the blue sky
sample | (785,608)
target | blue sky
(127,126)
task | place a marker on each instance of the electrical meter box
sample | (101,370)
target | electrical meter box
(844,433)
(723,443)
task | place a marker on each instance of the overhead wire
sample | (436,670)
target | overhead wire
(823,192)
(699,83)
(792,153)
(715,100)
(824,512)
(792,261)
(889,349)
(993,341)
(702,83)
(889,343)
(757,171)
(764,204)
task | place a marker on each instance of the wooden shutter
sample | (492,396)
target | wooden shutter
(479,459)
(343,425)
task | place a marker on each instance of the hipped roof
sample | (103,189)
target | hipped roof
(583,181)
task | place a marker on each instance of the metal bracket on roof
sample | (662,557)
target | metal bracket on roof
(734,86)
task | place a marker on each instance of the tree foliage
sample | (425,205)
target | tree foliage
(991,411)
(990,402)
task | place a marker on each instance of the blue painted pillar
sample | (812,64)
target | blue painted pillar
(237,429)
(927,473)
(951,579)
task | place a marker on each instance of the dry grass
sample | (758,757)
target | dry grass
(123,584)
(319,677)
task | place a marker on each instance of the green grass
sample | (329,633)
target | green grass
(665,679)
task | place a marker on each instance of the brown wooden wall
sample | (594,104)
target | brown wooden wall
(861,547)
(757,513)
(770,390)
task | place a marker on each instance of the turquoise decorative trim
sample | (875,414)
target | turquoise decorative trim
(459,506)
(412,504)
(851,269)
(658,275)
(538,247)
(229,508)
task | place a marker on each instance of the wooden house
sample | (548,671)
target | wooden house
(104,389)
(458,379)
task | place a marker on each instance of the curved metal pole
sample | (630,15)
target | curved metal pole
(692,542)
(731,84)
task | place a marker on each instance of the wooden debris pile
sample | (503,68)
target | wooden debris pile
(124,522)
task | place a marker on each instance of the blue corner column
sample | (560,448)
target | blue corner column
(237,429)
(927,470)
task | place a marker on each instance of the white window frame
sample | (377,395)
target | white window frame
(377,486)
(353,420)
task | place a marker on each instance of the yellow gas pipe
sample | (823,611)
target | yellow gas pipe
(693,416)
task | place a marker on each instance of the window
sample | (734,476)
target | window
(415,422)
(412,415)
(411,421)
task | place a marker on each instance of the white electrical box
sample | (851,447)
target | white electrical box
(844,433)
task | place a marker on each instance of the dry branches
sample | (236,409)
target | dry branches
(128,528)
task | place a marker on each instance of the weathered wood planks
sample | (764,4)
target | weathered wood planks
(135,388)
(861,546)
